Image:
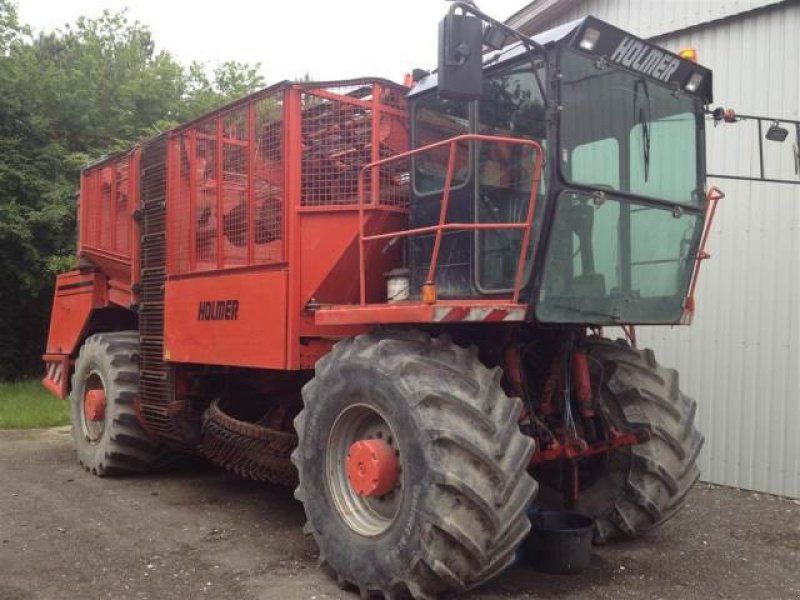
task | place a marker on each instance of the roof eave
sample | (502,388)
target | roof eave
(539,15)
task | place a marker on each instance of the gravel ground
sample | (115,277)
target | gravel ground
(201,533)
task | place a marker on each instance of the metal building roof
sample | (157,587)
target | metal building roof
(657,18)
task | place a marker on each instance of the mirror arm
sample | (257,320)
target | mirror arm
(468,7)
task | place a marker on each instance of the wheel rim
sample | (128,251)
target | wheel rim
(367,515)
(93,408)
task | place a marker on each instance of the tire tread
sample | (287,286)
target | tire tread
(467,420)
(128,449)
(663,469)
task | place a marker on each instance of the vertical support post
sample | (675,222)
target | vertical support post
(171,192)
(113,208)
(451,163)
(133,231)
(99,206)
(251,182)
(169,173)
(292,158)
(362,277)
(797,147)
(625,248)
(760,147)
(526,236)
(192,241)
(82,202)
(220,176)
(375,175)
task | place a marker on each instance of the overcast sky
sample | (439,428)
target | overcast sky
(327,39)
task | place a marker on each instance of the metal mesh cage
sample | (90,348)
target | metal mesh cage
(226,206)
(268,180)
(395,177)
(344,127)
(106,208)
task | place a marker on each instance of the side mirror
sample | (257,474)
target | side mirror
(460,57)
(776,133)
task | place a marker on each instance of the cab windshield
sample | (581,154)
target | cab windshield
(623,132)
(622,251)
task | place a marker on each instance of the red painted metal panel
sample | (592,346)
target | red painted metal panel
(77,295)
(330,261)
(57,374)
(236,319)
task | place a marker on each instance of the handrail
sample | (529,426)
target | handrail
(442,226)
(712,197)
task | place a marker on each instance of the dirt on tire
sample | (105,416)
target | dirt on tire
(122,447)
(464,517)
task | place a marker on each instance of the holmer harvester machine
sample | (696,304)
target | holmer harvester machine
(394,299)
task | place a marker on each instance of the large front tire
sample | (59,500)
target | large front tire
(636,488)
(108,437)
(463,487)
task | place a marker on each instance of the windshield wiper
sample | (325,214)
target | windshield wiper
(642,119)
(645,143)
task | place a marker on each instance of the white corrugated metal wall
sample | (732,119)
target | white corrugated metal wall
(741,357)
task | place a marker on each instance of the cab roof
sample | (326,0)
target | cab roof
(617,47)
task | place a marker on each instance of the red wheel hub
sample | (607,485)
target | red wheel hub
(371,467)
(94,405)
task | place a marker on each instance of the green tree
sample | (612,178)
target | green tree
(67,97)
(228,81)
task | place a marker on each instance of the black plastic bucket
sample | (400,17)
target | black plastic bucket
(560,541)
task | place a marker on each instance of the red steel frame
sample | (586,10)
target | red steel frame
(713,196)
(442,226)
(302,269)
(284,318)
(341,314)
(216,121)
(418,312)
(120,266)
(286,326)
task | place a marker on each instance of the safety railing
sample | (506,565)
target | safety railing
(108,199)
(713,196)
(370,200)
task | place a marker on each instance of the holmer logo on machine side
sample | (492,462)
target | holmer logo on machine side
(641,57)
(218,310)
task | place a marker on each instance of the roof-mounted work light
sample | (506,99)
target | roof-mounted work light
(589,39)
(694,82)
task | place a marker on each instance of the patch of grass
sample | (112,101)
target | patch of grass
(27,404)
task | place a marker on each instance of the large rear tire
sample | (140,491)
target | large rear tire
(458,511)
(108,437)
(636,488)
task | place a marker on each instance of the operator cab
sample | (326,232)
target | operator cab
(620,203)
